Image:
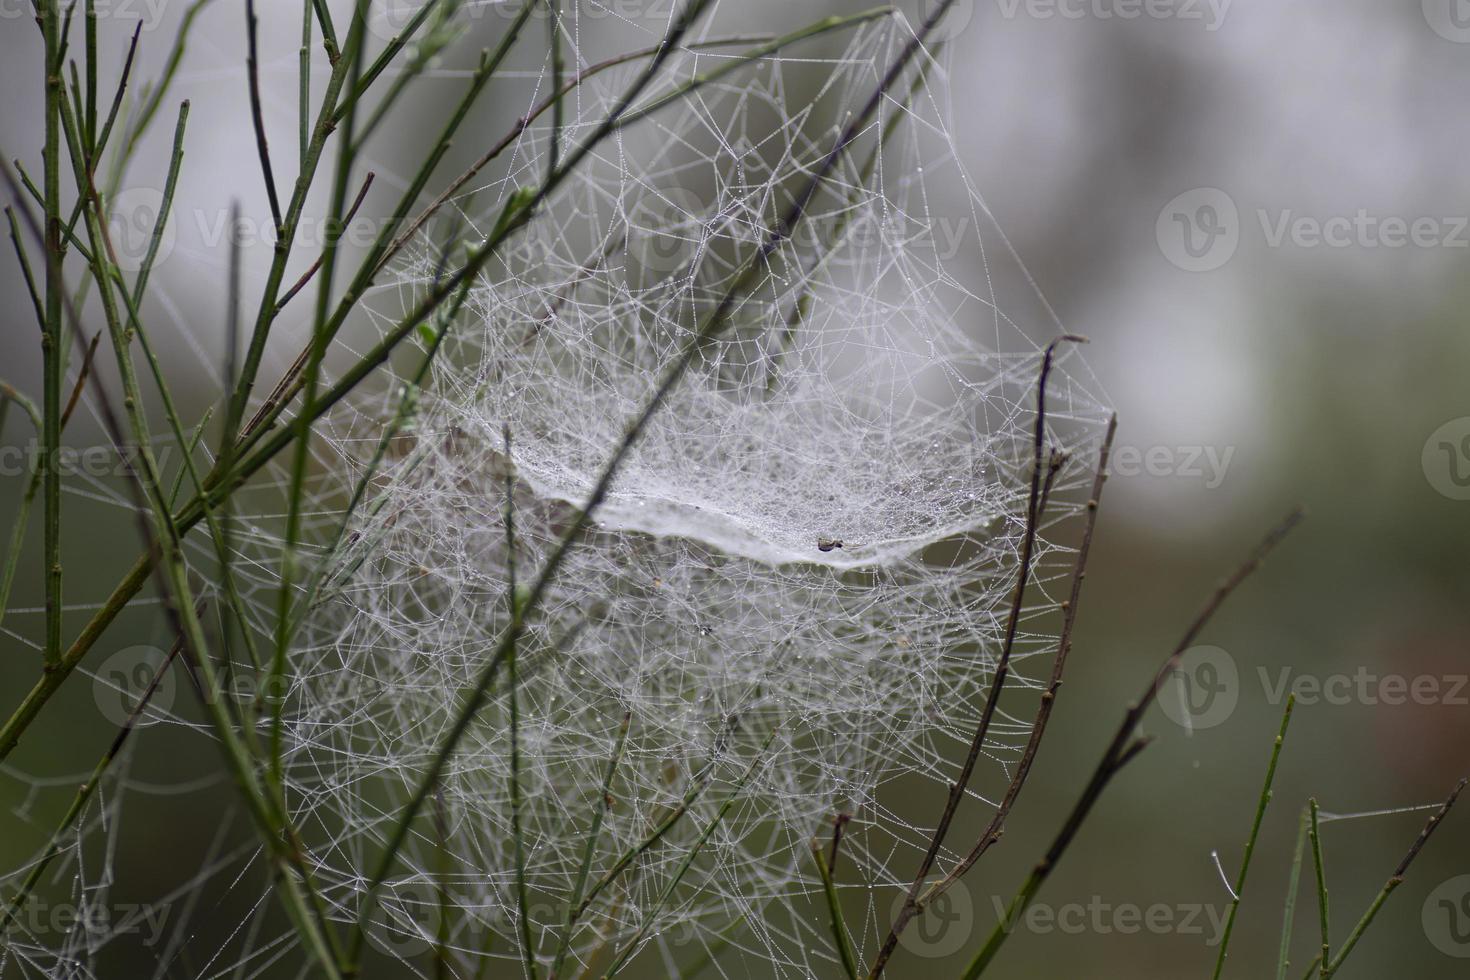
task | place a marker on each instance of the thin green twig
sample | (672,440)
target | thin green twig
(1320,866)
(517,827)
(650,915)
(1288,915)
(1124,748)
(1394,880)
(589,853)
(1250,845)
(841,936)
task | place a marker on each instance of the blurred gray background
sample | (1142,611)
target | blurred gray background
(1258,213)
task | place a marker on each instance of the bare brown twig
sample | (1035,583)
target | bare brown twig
(1125,746)
(958,788)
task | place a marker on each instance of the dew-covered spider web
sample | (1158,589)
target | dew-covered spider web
(788,607)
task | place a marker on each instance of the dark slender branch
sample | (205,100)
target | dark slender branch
(839,825)
(81,382)
(993,832)
(87,789)
(1428,830)
(1237,891)
(1123,749)
(958,788)
(1396,879)
(1320,866)
(257,115)
(99,141)
(306,276)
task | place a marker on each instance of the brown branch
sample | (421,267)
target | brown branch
(1125,745)
(257,116)
(1389,887)
(306,276)
(81,383)
(1429,829)
(993,832)
(1002,670)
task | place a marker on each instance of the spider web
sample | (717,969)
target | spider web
(793,596)
(801,571)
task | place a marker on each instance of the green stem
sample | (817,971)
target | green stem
(166,541)
(650,916)
(227,478)
(53,359)
(1394,880)
(599,813)
(1288,916)
(1250,844)
(841,937)
(284,240)
(1315,832)
(153,95)
(517,826)
(85,792)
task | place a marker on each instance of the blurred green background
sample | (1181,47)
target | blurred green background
(1327,369)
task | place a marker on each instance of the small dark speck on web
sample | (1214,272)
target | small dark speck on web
(828,544)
